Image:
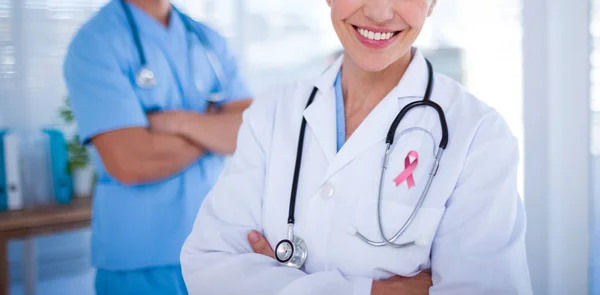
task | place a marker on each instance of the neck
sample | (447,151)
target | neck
(157,9)
(363,89)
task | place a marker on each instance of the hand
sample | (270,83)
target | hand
(259,244)
(170,122)
(417,285)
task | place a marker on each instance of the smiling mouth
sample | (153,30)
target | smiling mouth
(376,36)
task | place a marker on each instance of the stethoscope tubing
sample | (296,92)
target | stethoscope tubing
(211,56)
(426,101)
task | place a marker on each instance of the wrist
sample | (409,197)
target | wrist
(185,123)
(375,288)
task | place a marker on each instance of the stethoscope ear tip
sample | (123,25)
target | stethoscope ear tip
(422,242)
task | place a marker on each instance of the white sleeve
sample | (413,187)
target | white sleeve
(480,245)
(217,258)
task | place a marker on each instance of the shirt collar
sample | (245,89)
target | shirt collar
(150,27)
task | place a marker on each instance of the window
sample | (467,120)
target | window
(48,26)
(286,40)
(222,15)
(7,59)
(6,49)
(275,41)
(34,35)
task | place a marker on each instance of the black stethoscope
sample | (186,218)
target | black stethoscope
(145,78)
(293,252)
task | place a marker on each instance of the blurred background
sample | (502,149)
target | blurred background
(516,55)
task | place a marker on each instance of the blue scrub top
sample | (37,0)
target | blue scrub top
(339,111)
(143,225)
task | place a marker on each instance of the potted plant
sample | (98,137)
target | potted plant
(80,166)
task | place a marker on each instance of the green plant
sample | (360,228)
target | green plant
(78,155)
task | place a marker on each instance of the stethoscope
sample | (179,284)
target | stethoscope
(293,252)
(145,78)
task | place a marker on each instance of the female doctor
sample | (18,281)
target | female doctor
(365,179)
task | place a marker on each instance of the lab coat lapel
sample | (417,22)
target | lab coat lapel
(375,127)
(320,115)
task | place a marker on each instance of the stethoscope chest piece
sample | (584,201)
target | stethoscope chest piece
(145,78)
(215,97)
(291,253)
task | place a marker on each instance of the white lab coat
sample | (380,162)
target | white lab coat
(472,219)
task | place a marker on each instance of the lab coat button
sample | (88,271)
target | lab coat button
(327,191)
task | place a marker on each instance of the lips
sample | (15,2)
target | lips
(376,35)
(375,38)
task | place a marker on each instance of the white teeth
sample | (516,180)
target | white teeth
(364,32)
(375,36)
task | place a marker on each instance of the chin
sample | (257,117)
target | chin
(373,63)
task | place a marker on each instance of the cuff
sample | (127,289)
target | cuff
(362,286)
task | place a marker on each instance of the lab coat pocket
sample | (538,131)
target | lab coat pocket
(382,261)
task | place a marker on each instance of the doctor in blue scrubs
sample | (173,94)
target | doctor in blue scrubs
(160,98)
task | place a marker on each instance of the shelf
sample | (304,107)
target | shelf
(46,219)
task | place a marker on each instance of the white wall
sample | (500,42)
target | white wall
(557,131)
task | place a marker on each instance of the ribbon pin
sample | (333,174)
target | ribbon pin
(409,167)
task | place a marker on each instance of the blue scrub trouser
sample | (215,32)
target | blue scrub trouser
(149,281)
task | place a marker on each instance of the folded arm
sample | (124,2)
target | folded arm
(417,285)
(110,115)
(214,131)
(139,155)
(217,258)
(135,155)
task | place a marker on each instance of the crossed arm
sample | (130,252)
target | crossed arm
(417,285)
(217,258)
(173,141)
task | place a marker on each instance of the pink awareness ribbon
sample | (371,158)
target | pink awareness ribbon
(409,167)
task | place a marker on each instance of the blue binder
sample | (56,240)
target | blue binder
(3,184)
(59,165)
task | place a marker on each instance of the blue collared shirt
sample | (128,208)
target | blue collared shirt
(339,111)
(143,225)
